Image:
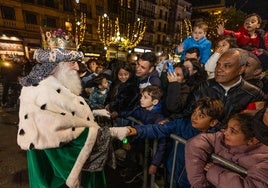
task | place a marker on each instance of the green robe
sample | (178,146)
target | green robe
(49,168)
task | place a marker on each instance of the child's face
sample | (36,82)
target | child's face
(233,135)
(123,75)
(146,101)
(224,45)
(251,23)
(104,84)
(198,33)
(200,120)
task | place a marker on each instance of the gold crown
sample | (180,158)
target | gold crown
(59,39)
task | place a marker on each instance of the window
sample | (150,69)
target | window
(89,29)
(83,7)
(129,4)
(28,1)
(67,5)
(30,18)
(50,3)
(8,13)
(49,22)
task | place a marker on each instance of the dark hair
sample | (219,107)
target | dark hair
(154,91)
(149,56)
(82,67)
(193,50)
(230,39)
(200,75)
(255,14)
(245,120)
(185,70)
(96,81)
(212,107)
(122,65)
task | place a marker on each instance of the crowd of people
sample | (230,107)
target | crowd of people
(218,102)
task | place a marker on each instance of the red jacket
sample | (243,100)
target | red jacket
(244,40)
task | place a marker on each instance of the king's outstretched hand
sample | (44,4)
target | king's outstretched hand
(120,132)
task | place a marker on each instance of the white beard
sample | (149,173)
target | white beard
(68,77)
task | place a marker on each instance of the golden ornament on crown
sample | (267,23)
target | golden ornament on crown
(59,39)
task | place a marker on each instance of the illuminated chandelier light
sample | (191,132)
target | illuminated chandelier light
(109,33)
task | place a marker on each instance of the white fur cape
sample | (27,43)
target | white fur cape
(50,115)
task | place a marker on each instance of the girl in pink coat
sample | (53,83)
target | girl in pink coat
(242,142)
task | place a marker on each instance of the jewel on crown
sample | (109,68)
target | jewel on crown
(59,39)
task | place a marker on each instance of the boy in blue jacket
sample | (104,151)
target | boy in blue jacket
(206,117)
(199,40)
(148,112)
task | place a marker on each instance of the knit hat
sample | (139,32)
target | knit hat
(261,129)
(58,47)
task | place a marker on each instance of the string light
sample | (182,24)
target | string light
(109,32)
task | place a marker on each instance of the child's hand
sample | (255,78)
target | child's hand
(180,48)
(208,165)
(220,29)
(152,169)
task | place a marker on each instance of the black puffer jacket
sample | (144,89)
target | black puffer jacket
(235,100)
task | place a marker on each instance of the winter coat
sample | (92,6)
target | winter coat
(253,158)
(123,96)
(176,98)
(181,127)
(150,79)
(203,44)
(235,100)
(245,41)
(50,116)
(149,117)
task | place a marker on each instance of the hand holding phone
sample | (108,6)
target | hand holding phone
(170,68)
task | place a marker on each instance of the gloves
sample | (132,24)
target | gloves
(101,112)
(119,132)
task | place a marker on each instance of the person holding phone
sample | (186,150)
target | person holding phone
(177,90)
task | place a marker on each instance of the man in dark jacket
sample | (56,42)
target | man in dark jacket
(228,85)
(145,70)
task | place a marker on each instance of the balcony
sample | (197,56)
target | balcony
(9,23)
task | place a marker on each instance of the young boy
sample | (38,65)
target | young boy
(148,112)
(197,39)
(207,115)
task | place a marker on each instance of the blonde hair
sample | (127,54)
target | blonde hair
(202,25)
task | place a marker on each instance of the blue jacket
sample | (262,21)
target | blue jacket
(149,117)
(181,127)
(204,46)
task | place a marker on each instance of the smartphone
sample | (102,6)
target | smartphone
(170,68)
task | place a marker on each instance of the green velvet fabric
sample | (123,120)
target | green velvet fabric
(50,168)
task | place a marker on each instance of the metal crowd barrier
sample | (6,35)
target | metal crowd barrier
(222,161)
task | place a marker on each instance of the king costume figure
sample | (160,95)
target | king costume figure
(65,146)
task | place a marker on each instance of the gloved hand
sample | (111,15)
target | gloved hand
(101,112)
(119,132)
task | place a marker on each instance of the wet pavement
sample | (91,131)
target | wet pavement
(13,164)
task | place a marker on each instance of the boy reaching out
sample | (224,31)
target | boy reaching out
(207,115)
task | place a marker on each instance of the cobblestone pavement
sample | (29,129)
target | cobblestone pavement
(13,173)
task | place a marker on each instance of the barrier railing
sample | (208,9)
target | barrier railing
(229,164)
